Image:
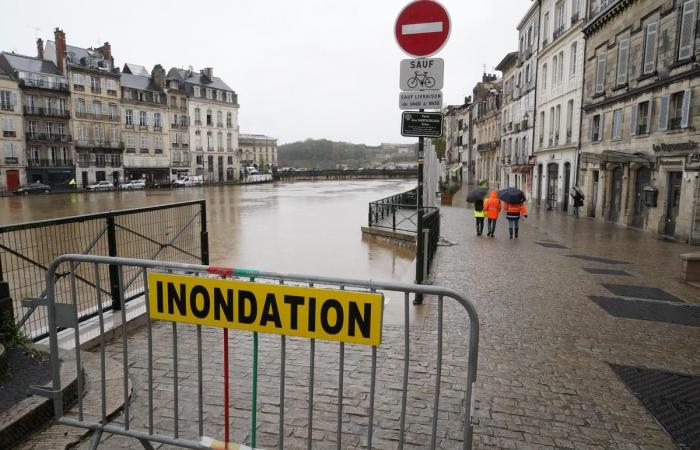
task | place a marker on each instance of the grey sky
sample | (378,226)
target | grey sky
(302,69)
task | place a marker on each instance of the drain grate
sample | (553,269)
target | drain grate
(649,293)
(676,313)
(672,398)
(550,245)
(597,259)
(599,271)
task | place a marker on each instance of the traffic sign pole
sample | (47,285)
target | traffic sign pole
(419,223)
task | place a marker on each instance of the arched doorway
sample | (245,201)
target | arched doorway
(567,186)
(616,194)
(643,179)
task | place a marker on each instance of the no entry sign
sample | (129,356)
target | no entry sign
(422,28)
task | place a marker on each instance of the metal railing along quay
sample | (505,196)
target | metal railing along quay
(172,232)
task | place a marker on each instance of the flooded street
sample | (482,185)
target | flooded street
(301,227)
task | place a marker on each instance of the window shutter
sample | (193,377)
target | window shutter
(13,99)
(663,113)
(685,118)
(633,120)
(124,116)
(622,58)
(590,129)
(651,107)
(600,74)
(687,38)
(602,127)
(650,48)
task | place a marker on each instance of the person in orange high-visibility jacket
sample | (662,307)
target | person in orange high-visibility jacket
(513,212)
(492,206)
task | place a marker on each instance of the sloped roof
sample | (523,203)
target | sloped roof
(29,64)
(136,69)
(144,83)
(197,78)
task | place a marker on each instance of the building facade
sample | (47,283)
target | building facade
(639,155)
(257,150)
(95,94)
(213,112)
(486,130)
(45,103)
(145,123)
(508,68)
(456,140)
(13,163)
(559,86)
(179,130)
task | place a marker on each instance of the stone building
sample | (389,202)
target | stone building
(559,85)
(456,140)
(95,94)
(45,103)
(179,138)
(486,129)
(213,112)
(145,123)
(258,151)
(12,161)
(508,68)
(641,114)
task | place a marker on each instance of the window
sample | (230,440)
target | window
(173,101)
(555,62)
(127,94)
(157,143)
(210,141)
(541,127)
(11,151)
(220,96)
(113,134)
(600,74)
(687,34)
(551,127)
(559,20)
(229,97)
(557,124)
(229,120)
(144,142)
(111,85)
(97,109)
(220,140)
(640,121)
(6,100)
(595,131)
(229,141)
(62,130)
(572,60)
(130,141)
(9,124)
(569,120)
(197,116)
(574,10)
(156,120)
(129,118)
(679,109)
(99,137)
(142,119)
(82,134)
(113,113)
(617,124)
(560,77)
(650,43)
(527,73)
(209,94)
(80,106)
(219,119)
(142,97)
(49,128)
(545,28)
(197,92)
(210,119)
(623,54)
(95,84)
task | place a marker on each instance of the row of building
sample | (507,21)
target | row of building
(70,113)
(602,95)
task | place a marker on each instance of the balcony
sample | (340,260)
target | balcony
(8,133)
(32,136)
(143,151)
(575,16)
(11,160)
(44,112)
(173,125)
(558,32)
(220,125)
(87,143)
(114,162)
(41,84)
(129,126)
(158,151)
(197,122)
(568,136)
(183,109)
(7,107)
(79,87)
(96,89)
(143,127)
(111,92)
(229,125)
(50,163)
(157,128)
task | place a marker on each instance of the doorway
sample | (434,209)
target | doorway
(594,195)
(12,178)
(84,177)
(616,194)
(567,186)
(643,179)
(672,203)
(539,184)
(552,185)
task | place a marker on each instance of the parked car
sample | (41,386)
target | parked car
(134,184)
(101,186)
(184,182)
(33,188)
(162,184)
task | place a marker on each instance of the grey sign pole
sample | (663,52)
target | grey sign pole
(418,300)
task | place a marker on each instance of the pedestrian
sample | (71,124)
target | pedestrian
(492,206)
(479,215)
(578,200)
(513,212)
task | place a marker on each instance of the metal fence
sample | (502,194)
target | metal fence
(174,232)
(139,423)
(397,212)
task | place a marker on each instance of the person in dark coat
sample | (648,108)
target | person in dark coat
(578,198)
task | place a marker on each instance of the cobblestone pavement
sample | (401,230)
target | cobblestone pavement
(543,380)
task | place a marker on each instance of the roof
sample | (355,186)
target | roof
(197,78)
(135,69)
(144,83)
(255,136)
(535,6)
(29,64)
(506,62)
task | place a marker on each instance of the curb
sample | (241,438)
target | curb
(34,412)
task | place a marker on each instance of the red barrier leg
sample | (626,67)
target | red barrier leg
(226,404)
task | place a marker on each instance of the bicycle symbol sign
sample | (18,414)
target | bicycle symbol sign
(420,74)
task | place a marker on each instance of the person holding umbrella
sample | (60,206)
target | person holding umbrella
(492,206)
(515,206)
(477,197)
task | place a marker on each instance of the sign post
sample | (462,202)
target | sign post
(421,30)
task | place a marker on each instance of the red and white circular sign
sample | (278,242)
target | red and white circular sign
(422,28)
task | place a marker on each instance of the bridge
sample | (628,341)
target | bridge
(339,174)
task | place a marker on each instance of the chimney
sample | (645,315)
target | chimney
(60,38)
(208,72)
(158,75)
(106,51)
(40,48)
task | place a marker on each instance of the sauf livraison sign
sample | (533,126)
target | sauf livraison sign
(346,316)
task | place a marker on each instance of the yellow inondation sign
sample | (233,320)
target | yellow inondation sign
(346,316)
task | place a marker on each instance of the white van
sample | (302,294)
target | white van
(250,170)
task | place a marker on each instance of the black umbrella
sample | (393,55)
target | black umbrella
(477,194)
(511,195)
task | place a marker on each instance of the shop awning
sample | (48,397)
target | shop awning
(615,157)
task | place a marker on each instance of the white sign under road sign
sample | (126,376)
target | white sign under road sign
(422,73)
(420,100)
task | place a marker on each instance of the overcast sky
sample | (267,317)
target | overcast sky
(301,68)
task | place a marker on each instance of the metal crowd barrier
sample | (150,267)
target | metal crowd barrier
(62,308)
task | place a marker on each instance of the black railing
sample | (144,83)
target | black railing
(172,232)
(46,112)
(431,222)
